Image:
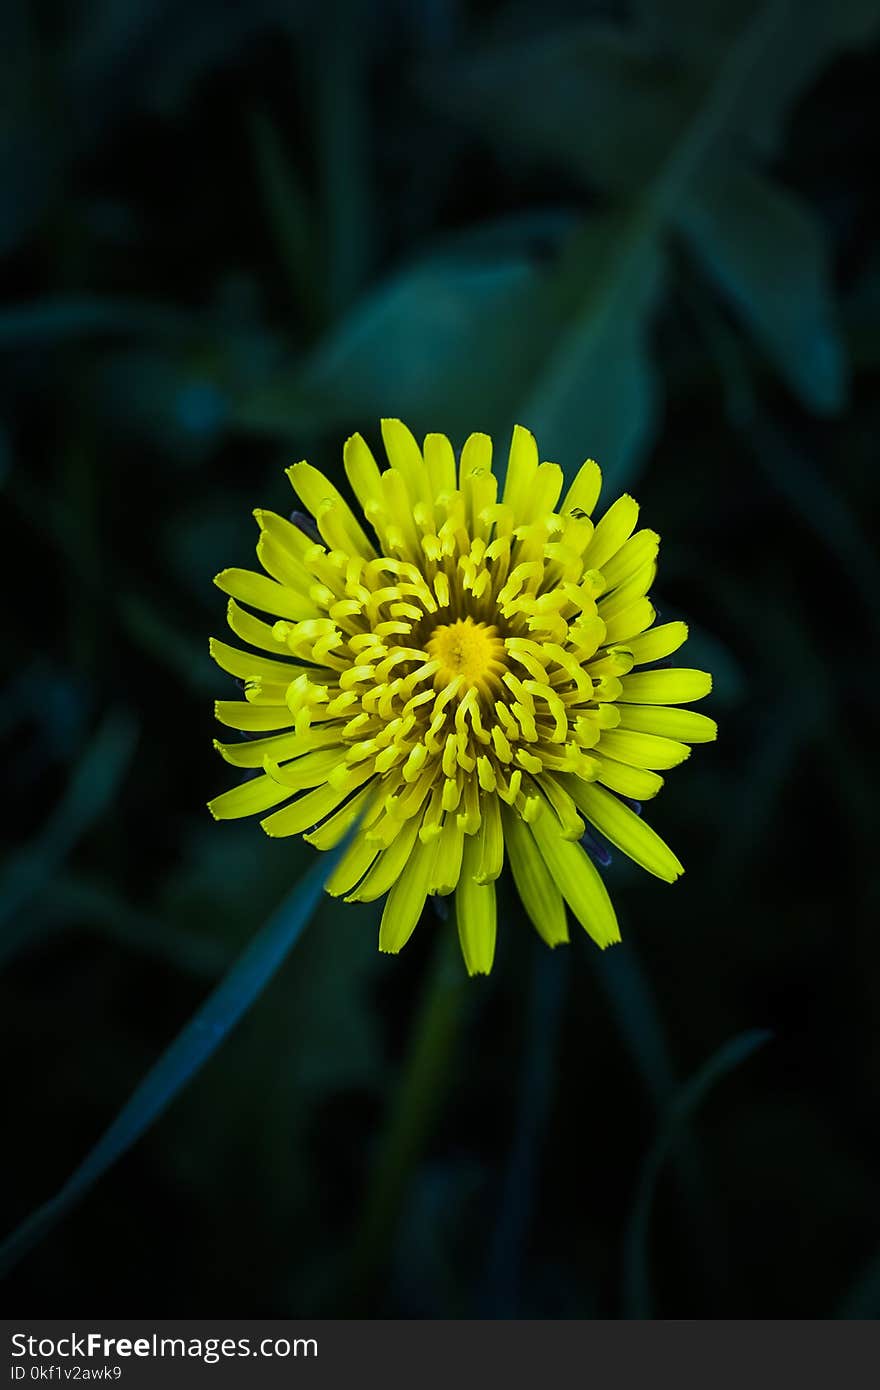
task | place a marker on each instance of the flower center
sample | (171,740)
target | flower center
(471,650)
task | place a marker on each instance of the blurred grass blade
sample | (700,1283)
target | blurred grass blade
(187,1054)
(637,1289)
(90,792)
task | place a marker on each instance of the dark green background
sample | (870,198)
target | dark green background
(231,234)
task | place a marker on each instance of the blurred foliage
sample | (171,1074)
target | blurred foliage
(230,235)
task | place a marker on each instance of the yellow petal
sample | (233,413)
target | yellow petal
(491,840)
(450,848)
(635,782)
(389,865)
(405,902)
(362,472)
(642,750)
(626,625)
(639,550)
(440,463)
(475,912)
(626,830)
(688,725)
(578,880)
(616,526)
(405,456)
(310,770)
(332,830)
(254,631)
(625,595)
(252,668)
(303,813)
(248,799)
(583,494)
(351,868)
(240,714)
(659,642)
(251,752)
(267,594)
(677,686)
(320,497)
(540,896)
(522,465)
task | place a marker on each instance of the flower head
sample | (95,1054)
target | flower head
(460,678)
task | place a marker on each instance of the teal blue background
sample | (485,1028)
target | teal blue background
(230,235)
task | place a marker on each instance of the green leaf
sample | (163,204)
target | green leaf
(766,252)
(435,344)
(190,1050)
(637,1290)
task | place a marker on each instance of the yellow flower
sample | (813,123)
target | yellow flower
(459,676)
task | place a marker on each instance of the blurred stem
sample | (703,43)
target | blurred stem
(415,1106)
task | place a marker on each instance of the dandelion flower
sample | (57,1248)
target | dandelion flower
(459,677)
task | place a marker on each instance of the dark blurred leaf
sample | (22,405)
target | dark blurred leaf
(637,1288)
(653,124)
(149,53)
(436,345)
(606,111)
(811,37)
(766,252)
(187,1055)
